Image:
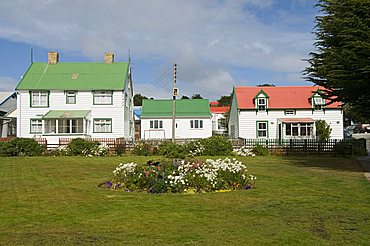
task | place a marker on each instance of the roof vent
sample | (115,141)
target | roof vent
(53,57)
(108,58)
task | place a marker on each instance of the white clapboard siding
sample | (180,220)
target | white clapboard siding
(182,131)
(248,121)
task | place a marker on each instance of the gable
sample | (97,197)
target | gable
(184,108)
(75,76)
(283,97)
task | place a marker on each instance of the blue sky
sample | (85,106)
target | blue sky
(216,44)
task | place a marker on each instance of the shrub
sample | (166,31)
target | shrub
(259,150)
(7,149)
(216,145)
(171,150)
(79,146)
(144,149)
(195,148)
(25,147)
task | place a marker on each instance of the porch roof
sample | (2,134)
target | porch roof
(297,120)
(66,114)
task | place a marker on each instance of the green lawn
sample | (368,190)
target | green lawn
(297,201)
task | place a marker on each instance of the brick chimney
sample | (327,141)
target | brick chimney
(53,57)
(108,58)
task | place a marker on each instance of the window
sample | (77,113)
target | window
(70,97)
(36,126)
(102,125)
(261,104)
(289,112)
(318,102)
(156,124)
(39,98)
(221,123)
(103,97)
(196,124)
(50,126)
(298,129)
(262,129)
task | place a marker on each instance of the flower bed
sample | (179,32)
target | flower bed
(182,176)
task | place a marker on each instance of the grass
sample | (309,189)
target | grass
(305,201)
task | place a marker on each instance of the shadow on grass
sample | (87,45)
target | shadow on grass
(328,163)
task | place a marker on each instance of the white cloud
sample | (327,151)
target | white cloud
(7,84)
(204,37)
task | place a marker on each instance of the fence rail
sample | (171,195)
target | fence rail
(309,146)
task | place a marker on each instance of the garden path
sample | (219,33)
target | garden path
(365,164)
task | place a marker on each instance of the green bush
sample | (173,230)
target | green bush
(171,150)
(216,145)
(144,149)
(259,150)
(21,147)
(79,146)
(6,149)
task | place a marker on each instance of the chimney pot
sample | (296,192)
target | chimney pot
(108,58)
(53,57)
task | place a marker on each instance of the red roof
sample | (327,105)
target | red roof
(279,96)
(220,110)
(213,104)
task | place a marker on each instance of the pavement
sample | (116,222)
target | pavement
(365,164)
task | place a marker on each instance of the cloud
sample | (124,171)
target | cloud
(7,84)
(206,37)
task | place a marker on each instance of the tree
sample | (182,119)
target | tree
(225,100)
(185,97)
(341,63)
(138,99)
(271,85)
(323,130)
(196,96)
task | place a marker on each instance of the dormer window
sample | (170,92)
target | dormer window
(261,104)
(261,101)
(317,101)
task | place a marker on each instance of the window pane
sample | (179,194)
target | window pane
(196,123)
(50,126)
(151,124)
(64,126)
(201,124)
(77,126)
(103,125)
(191,124)
(36,126)
(288,130)
(160,124)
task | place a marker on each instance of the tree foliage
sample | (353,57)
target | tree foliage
(196,96)
(341,62)
(185,97)
(138,99)
(225,100)
(323,130)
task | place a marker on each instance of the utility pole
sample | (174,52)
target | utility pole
(174,94)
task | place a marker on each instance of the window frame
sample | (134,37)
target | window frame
(31,128)
(103,93)
(103,119)
(196,124)
(156,124)
(299,129)
(40,94)
(291,110)
(73,96)
(258,130)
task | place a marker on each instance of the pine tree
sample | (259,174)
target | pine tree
(341,62)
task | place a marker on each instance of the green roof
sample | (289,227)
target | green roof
(75,76)
(184,108)
(66,114)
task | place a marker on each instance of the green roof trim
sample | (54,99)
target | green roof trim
(66,114)
(75,76)
(184,108)
(263,93)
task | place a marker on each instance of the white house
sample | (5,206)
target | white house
(8,108)
(218,118)
(75,99)
(282,112)
(192,119)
